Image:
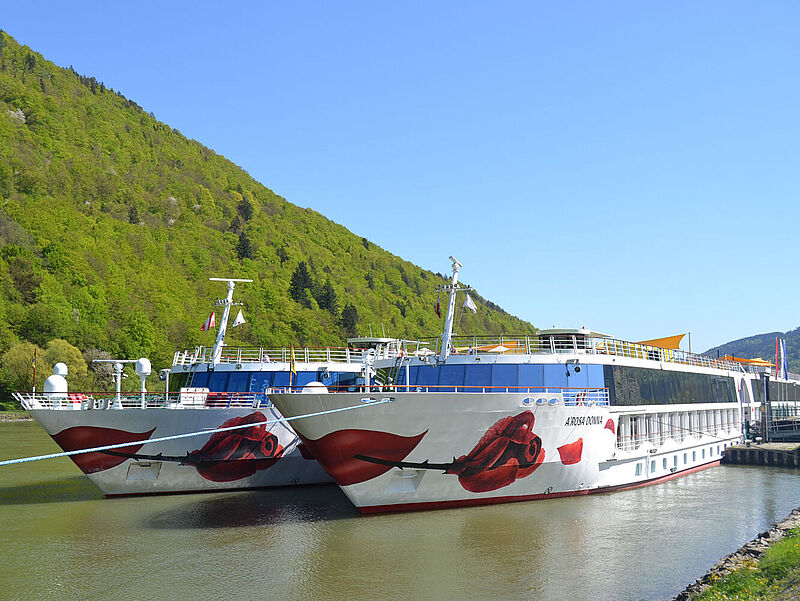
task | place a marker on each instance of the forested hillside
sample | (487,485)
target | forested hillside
(111,223)
(763,346)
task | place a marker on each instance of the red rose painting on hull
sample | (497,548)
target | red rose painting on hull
(507,452)
(237,454)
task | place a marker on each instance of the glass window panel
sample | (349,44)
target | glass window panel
(238,382)
(504,375)
(555,376)
(577,379)
(261,381)
(428,376)
(304,377)
(281,379)
(594,376)
(531,377)
(450,376)
(218,382)
(200,380)
(478,375)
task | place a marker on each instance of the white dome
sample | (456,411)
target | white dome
(60,369)
(55,384)
(315,388)
(143,367)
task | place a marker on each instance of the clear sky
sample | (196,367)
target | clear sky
(628,166)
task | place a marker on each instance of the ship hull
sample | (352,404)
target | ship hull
(436,450)
(256,456)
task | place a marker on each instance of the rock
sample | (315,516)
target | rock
(18,115)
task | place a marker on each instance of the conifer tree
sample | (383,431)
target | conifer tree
(349,320)
(301,281)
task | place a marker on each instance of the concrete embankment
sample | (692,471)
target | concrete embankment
(743,558)
(777,454)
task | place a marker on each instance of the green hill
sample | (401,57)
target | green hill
(763,346)
(111,223)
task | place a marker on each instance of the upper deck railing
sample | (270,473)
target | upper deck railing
(566,343)
(330,354)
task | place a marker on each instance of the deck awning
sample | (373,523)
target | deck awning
(670,342)
(756,361)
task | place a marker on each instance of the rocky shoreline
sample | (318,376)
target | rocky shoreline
(741,558)
(15,416)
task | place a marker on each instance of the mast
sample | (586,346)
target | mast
(453,287)
(226,303)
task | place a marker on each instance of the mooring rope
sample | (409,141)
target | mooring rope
(189,434)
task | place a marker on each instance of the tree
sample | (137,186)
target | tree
(133,215)
(327,298)
(245,209)
(301,281)
(61,351)
(243,248)
(17,368)
(349,320)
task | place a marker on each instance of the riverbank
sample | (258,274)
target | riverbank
(766,569)
(15,416)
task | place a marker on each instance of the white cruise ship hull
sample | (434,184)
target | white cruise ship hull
(255,457)
(445,449)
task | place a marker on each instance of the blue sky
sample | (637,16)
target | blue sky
(628,166)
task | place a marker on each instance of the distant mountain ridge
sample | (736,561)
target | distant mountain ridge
(763,346)
(111,223)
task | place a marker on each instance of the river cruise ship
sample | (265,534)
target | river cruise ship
(208,389)
(467,421)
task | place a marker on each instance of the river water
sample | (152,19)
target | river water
(61,539)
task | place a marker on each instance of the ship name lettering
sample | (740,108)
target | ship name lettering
(584,420)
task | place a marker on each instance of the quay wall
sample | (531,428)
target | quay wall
(776,454)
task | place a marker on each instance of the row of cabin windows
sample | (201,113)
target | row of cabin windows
(778,391)
(237,381)
(627,385)
(685,459)
(637,386)
(512,376)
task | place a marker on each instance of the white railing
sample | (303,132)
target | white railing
(136,400)
(565,343)
(203,354)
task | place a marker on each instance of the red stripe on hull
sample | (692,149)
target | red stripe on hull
(555,495)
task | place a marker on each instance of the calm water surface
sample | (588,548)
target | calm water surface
(60,539)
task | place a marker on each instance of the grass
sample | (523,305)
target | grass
(14,415)
(767,579)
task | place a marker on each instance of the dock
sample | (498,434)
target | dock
(778,454)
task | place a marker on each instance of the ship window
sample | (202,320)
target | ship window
(638,469)
(261,381)
(685,458)
(303,378)
(238,382)
(450,376)
(505,375)
(281,379)
(675,460)
(218,382)
(200,380)
(665,463)
(694,455)
(531,376)
(594,376)
(346,380)
(428,376)
(703,453)
(555,376)
(478,375)
(652,466)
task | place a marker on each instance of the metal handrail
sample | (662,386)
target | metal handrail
(330,354)
(565,343)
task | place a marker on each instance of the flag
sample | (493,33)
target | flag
(438,309)
(211,322)
(470,304)
(239,319)
(292,367)
(784,367)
